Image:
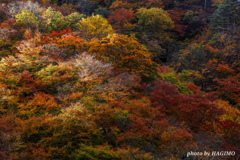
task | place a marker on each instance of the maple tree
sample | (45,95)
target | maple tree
(179,27)
(229,90)
(184,107)
(125,54)
(149,128)
(121,18)
(166,84)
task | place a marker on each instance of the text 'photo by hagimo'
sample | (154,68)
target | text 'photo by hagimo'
(119,79)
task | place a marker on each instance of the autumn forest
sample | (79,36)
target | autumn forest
(119,79)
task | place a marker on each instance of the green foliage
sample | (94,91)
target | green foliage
(184,75)
(193,57)
(218,19)
(90,153)
(54,19)
(179,80)
(72,21)
(122,116)
(89,102)
(47,73)
(27,18)
(225,17)
(7,100)
(154,21)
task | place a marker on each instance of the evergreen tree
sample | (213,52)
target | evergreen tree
(217,19)
(225,17)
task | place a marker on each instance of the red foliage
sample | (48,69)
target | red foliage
(10,130)
(195,89)
(163,69)
(166,2)
(229,89)
(224,70)
(196,110)
(8,23)
(178,24)
(154,3)
(28,86)
(145,122)
(230,128)
(59,34)
(27,80)
(226,146)
(64,9)
(33,151)
(148,126)
(121,18)
(167,92)
(9,123)
(3,156)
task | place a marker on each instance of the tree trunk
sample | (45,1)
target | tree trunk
(205,4)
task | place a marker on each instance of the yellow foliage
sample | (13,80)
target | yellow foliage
(95,26)
(230,113)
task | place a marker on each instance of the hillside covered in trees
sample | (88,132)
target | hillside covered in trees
(119,79)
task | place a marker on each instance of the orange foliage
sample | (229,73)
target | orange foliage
(125,54)
(8,24)
(28,34)
(212,50)
(38,105)
(195,89)
(224,70)
(121,18)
